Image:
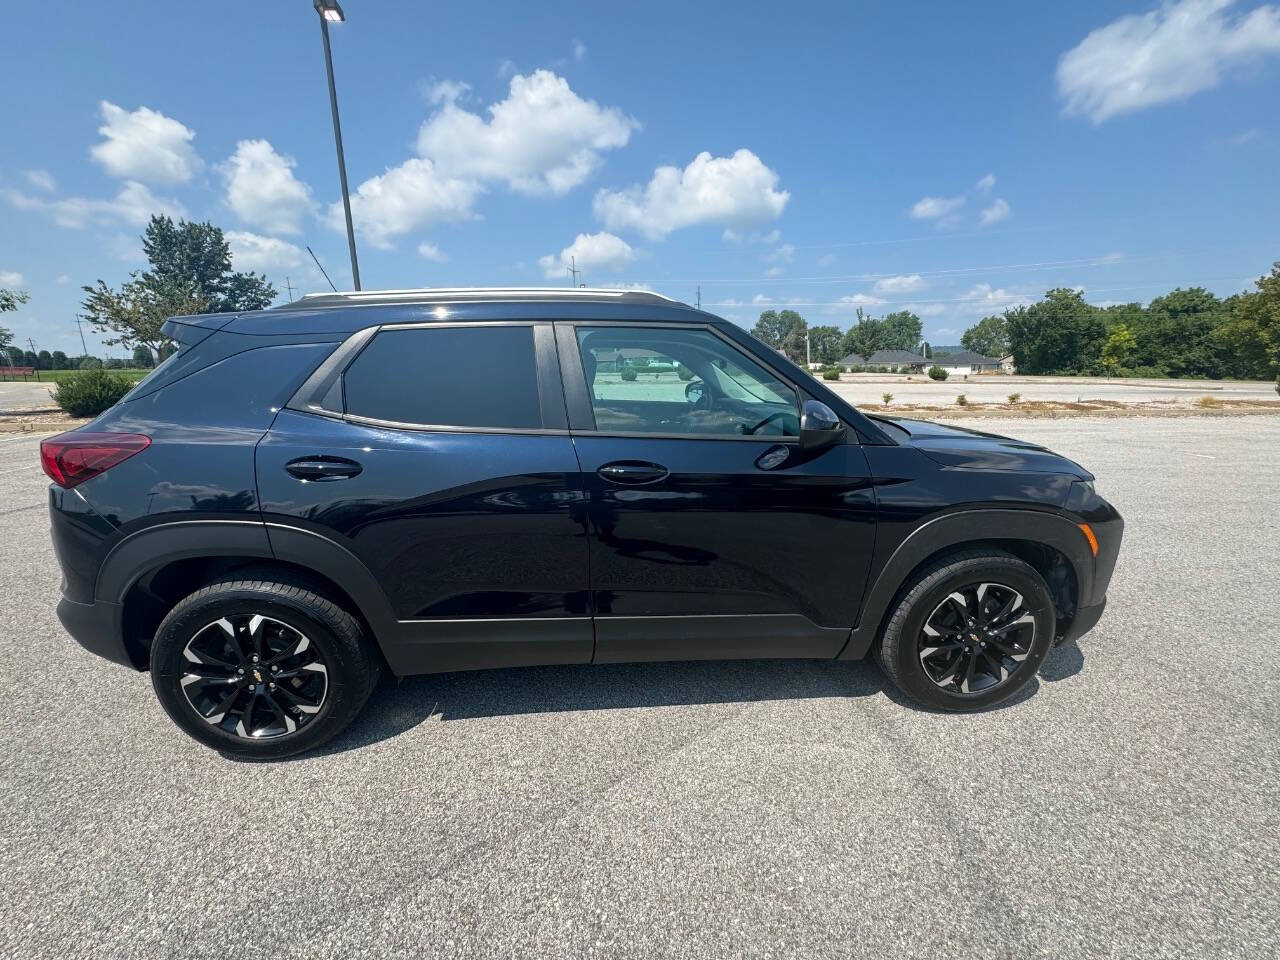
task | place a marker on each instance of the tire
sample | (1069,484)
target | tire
(927,632)
(215,632)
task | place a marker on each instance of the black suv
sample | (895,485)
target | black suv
(442,480)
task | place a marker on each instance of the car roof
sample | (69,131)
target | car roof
(335,313)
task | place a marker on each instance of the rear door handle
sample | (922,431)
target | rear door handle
(323,468)
(633,471)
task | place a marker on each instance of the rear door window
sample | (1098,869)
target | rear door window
(453,376)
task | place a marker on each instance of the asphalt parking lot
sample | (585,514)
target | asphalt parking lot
(1127,805)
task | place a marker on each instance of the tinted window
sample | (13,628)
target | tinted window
(668,380)
(447,376)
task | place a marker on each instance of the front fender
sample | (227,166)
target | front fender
(955,530)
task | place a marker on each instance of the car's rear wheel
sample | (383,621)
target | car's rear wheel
(969,631)
(261,669)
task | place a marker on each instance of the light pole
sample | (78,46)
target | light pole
(330,10)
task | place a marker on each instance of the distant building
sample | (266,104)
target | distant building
(1007,365)
(966,362)
(902,359)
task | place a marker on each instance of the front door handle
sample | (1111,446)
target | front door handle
(633,471)
(322,468)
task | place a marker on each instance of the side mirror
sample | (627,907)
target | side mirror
(819,426)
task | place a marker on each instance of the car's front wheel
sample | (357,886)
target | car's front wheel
(969,631)
(261,669)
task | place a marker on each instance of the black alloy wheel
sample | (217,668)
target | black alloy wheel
(254,676)
(976,638)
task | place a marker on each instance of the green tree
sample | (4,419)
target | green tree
(825,343)
(901,331)
(190,272)
(989,337)
(1251,331)
(864,337)
(1176,334)
(142,356)
(60,361)
(45,359)
(783,330)
(1118,348)
(1060,334)
(11,300)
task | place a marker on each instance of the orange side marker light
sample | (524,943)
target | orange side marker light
(1089,535)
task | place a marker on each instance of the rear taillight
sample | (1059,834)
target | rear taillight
(72,458)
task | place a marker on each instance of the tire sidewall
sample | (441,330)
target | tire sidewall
(1009,572)
(341,700)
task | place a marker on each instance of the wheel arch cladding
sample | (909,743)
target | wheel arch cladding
(148,572)
(1026,534)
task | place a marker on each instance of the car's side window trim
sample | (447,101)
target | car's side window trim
(578,399)
(318,393)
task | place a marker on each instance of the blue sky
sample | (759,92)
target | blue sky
(948,158)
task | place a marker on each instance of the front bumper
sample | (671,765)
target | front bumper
(97,627)
(1086,619)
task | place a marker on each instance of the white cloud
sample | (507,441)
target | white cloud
(10,278)
(543,138)
(754,237)
(40,179)
(925,309)
(930,208)
(1165,55)
(63,279)
(145,145)
(906,283)
(589,252)
(429,251)
(775,271)
(506,69)
(252,251)
(826,259)
(783,254)
(262,190)
(133,204)
(406,198)
(983,298)
(445,91)
(995,213)
(579,49)
(760,300)
(986,183)
(861,300)
(735,191)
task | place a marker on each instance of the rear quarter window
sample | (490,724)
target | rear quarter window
(480,376)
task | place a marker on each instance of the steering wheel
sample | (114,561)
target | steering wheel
(766,421)
(696,392)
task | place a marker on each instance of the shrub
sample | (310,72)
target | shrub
(830,374)
(1208,403)
(887,398)
(937,373)
(628,374)
(89,363)
(684,373)
(1015,397)
(88,394)
(961,400)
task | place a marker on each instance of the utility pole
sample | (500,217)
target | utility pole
(84,350)
(807,359)
(289,287)
(331,10)
(699,296)
(32,344)
(573,271)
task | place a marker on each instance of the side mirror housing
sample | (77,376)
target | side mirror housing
(819,426)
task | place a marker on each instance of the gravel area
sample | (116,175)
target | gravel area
(1127,805)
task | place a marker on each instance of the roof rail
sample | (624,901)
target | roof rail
(478,293)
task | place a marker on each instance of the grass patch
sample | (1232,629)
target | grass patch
(1208,403)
